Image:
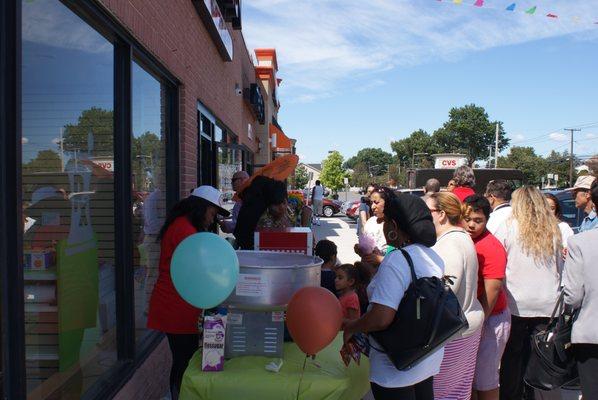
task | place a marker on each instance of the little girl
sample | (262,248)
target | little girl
(348,279)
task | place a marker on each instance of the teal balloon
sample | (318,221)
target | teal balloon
(204,269)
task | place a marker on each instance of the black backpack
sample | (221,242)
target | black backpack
(428,316)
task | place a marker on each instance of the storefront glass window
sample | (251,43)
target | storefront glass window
(68,201)
(149,197)
(206,160)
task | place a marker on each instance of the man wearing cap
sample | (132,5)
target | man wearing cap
(228,226)
(583,201)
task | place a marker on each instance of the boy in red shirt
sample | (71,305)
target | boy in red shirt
(492,260)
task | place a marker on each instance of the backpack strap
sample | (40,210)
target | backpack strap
(411,267)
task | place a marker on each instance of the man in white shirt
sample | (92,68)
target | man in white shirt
(317,200)
(498,193)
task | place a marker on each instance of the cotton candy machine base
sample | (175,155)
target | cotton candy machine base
(267,281)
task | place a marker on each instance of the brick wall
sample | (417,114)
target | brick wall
(151,379)
(173,32)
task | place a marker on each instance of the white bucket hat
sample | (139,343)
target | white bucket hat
(211,195)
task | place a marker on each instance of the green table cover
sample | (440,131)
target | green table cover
(246,377)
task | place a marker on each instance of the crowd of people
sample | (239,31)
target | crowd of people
(505,254)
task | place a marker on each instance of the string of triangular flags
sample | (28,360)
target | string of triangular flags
(513,7)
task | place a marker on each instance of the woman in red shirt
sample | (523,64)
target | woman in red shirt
(168,312)
(464,179)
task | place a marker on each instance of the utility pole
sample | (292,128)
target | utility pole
(571,130)
(496,147)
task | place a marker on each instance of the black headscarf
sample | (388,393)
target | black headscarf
(262,193)
(411,214)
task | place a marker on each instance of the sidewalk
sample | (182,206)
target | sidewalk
(341,231)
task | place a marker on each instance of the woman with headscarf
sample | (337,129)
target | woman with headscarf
(455,247)
(168,312)
(407,225)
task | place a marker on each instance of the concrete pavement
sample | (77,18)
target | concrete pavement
(340,230)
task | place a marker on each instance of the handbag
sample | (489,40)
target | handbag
(428,316)
(551,364)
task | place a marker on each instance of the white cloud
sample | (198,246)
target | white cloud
(518,137)
(558,137)
(55,25)
(590,136)
(323,45)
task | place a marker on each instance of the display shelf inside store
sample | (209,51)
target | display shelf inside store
(41,354)
(40,307)
(45,275)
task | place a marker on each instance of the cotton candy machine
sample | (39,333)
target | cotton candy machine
(267,281)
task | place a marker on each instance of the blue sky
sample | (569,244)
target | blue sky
(360,74)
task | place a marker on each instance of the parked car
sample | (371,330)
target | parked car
(351,210)
(330,207)
(571,214)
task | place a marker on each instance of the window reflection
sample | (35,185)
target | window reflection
(149,198)
(68,201)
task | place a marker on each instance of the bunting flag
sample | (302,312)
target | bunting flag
(513,6)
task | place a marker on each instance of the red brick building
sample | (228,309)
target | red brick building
(111,111)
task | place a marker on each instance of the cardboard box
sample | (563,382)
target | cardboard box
(38,260)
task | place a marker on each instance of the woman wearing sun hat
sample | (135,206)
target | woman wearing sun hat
(168,312)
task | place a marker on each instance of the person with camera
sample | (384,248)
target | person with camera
(407,226)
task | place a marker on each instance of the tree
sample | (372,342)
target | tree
(558,163)
(45,161)
(592,164)
(469,130)
(92,134)
(376,159)
(147,155)
(525,159)
(398,175)
(301,177)
(333,173)
(361,176)
(418,142)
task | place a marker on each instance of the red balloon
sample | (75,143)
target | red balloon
(314,318)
